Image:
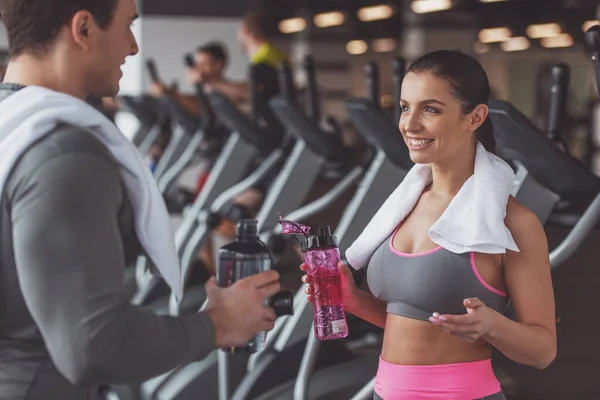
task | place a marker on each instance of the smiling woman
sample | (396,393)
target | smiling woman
(438,293)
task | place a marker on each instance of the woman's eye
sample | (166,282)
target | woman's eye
(431,110)
(405,108)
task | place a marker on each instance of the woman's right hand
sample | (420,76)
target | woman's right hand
(349,289)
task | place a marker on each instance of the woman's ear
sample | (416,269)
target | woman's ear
(478,116)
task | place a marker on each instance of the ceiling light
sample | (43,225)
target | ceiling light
(491,1)
(356,47)
(492,35)
(588,24)
(375,13)
(515,44)
(328,19)
(481,48)
(384,45)
(563,40)
(543,30)
(427,6)
(292,25)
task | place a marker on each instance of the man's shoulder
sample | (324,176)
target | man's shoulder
(64,139)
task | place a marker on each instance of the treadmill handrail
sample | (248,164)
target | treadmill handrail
(236,121)
(181,116)
(327,199)
(577,235)
(305,129)
(557,171)
(380,129)
(144,112)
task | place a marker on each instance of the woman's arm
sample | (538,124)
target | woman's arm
(366,307)
(530,340)
(358,302)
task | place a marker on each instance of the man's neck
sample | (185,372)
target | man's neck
(27,70)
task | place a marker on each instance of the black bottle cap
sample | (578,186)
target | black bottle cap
(247,229)
(282,303)
(323,239)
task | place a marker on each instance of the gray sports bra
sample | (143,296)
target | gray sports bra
(417,285)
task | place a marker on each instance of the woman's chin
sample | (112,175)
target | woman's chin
(419,158)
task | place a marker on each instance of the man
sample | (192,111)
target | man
(210,61)
(265,59)
(68,224)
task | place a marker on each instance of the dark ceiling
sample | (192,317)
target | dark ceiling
(516,14)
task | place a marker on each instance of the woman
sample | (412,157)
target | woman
(433,355)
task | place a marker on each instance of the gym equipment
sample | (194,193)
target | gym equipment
(188,132)
(385,171)
(311,151)
(146,110)
(560,176)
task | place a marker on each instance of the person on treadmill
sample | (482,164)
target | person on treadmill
(77,207)
(449,248)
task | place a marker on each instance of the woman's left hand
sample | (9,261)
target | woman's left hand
(476,323)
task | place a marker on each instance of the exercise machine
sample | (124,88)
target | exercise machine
(386,169)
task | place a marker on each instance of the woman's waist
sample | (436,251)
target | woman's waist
(414,342)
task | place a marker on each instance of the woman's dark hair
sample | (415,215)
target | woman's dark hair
(33,24)
(469,84)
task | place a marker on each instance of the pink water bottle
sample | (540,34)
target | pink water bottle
(321,257)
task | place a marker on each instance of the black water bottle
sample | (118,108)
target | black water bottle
(247,255)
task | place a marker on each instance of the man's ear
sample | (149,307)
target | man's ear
(478,116)
(82,29)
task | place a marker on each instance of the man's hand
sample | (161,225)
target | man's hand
(158,89)
(239,312)
(194,76)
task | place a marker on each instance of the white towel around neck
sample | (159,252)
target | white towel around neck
(473,222)
(32,112)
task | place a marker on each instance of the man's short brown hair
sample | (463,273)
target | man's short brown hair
(33,24)
(257,24)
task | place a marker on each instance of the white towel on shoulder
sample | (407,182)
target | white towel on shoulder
(31,113)
(473,222)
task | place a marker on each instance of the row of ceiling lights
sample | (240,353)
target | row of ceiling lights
(366,14)
(551,35)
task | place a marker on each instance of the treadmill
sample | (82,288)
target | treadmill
(312,149)
(145,109)
(228,170)
(387,167)
(556,174)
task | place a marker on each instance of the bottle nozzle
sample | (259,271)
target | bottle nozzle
(325,230)
(247,229)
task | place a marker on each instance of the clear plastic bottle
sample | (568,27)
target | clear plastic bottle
(321,257)
(247,255)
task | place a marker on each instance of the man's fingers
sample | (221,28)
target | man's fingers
(263,279)
(270,289)
(269,315)
(211,285)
